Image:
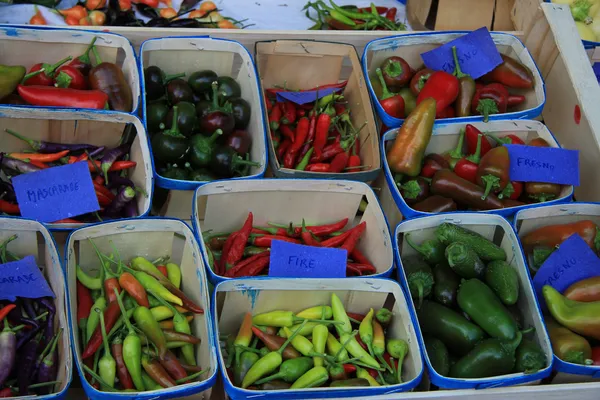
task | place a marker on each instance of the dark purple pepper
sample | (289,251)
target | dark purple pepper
(8,191)
(116,181)
(111,156)
(48,302)
(26,337)
(50,147)
(19,166)
(8,350)
(93,154)
(126,194)
(49,327)
(48,367)
(130,210)
(28,305)
(240,141)
(27,358)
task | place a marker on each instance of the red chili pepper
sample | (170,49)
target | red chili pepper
(467,167)
(50,157)
(353,161)
(319,167)
(339,162)
(508,139)
(356,316)
(359,257)
(471,136)
(361,269)
(349,368)
(38,164)
(289,160)
(339,108)
(391,14)
(287,132)
(312,127)
(323,230)
(596,355)
(5,310)
(9,208)
(226,247)
(116,166)
(447,112)
(102,199)
(104,191)
(362,344)
(307,236)
(250,264)
(441,86)
(236,249)
(162,269)
(282,149)
(354,237)
(111,315)
(515,100)
(265,241)
(322,131)
(69,76)
(330,151)
(269,105)
(275,117)
(46,78)
(116,348)
(63,97)
(380,10)
(84,302)
(289,113)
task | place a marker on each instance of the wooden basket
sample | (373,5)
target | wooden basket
(498,230)
(233,299)
(34,239)
(445,137)
(224,206)
(526,221)
(225,57)
(410,47)
(28,46)
(65,126)
(307,64)
(150,238)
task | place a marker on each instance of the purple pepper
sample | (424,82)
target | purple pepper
(7,189)
(48,367)
(26,337)
(96,152)
(50,147)
(116,181)
(111,156)
(27,358)
(48,302)
(126,194)
(28,306)
(49,327)
(19,166)
(131,210)
(8,350)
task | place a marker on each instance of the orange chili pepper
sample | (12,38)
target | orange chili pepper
(104,191)
(38,164)
(40,157)
(77,11)
(38,18)
(168,12)
(4,311)
(134,288)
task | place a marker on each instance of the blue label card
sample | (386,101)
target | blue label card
(543,164)
(572,262)
(23,278)
(477,54)
(290,260)
(596,68)
(305,97)
(56,193)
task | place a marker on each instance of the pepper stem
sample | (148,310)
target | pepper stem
(411,189)
(50,68)
(174,130)
(124,314)
(32,74)
(457,153)
(385,93)
(97,55)
(393,69)
(34,144)
(500,141)
(476,157)
(215,136)
(457,71)
(189,377)
(85,57)
(507,191)
(292,336)
(491,182)
(487,107)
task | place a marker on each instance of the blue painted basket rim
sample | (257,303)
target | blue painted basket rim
(323,392)
(476,383)
(410,213)
(518,215)
(395,122)
(61,394)
(175,184)
(84,31)
(165,393)
(216,279)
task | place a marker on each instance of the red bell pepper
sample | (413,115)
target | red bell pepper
(70,77)
(472,136)
(392,104)
(491,99)
(63,97)
(441,86)
(466,167)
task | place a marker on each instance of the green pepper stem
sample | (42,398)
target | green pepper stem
(500,141)
(169,78)
(35,145)
(385,93)
(292,336)
(44,384)
(85,57)
(457,71)
(97,55)
(32,74)
(476,157)
(491,182)
(189,378)
(124,314)
(457,153)
(97,378)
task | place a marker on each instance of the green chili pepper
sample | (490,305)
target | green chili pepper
(88,281)
(174,274)
(244,336)
(290,370)
(363,374)
(307,329)
(147,324)
(433,251)
(160,312)
(149,382)
(340,316)
(312,378)
(398,349)
(365,330)
(94,318)
(319,341)
(334,347)
(283,318)
(304,162)
(266,364)
(181,325)
(384,316)
(132,350)
(246,360)
(323,312)
(107,366)
(302,344)
(152,285)
(351,14)
(357,351)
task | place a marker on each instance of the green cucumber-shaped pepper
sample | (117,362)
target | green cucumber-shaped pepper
(502,278)
(431,250)
(438,355)
(530,357)
(491,357)
(449,326)
(446,283)
(464,261)
(419,277)
(486,310)
(486,250)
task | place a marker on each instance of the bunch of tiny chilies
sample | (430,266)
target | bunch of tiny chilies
(247,252)
(317,136)
(140,356)
(280,350)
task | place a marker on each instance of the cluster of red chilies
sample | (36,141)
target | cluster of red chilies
(246,252)
(314,137)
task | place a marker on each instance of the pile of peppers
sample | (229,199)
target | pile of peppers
(198,126)
(456,94)
(155,350)
(472,176)
(322,346)
(314,137)
(70,82)
(334,17)
(116,193)
(466,296)
(29,356)
(573,321)
(247,252)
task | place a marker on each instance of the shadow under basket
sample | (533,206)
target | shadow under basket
(224,206)
(498,230)
(150,238)
(233,299)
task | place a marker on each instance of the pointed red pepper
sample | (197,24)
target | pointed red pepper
(46,78)
(441,86)
(508,139)
(392,104)
(512,191)
(471,136)
(433,163)
(71,77)
(466,167)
